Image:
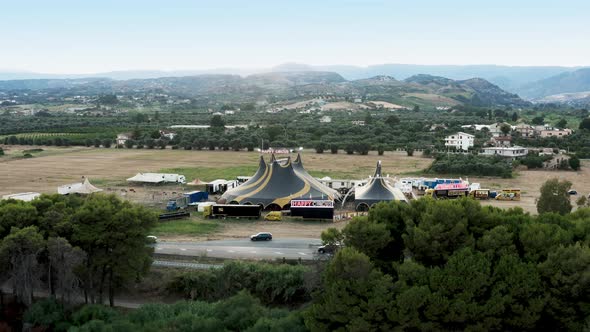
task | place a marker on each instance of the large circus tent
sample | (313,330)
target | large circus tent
(276,183)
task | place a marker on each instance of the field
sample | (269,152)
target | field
(108,169)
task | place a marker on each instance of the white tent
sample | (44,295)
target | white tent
(157,178)
(26,197)
(84,188)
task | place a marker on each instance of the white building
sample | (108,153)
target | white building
(326,119)
(122,138)
(460,141)
(508,152)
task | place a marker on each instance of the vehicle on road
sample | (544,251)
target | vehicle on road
(508,195)
(328,248)
(572,192)
(262,236)
(151,239)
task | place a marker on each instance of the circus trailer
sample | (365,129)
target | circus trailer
(313,209)
(448,190)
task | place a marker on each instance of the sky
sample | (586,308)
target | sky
(76,37)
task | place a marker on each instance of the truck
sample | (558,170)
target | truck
(509,195)
(448,190)
(446,193)
(177,203)
(232,211)
(480,194)
(196,197)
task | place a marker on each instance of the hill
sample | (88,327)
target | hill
(569,82)
(422,90)
(510,78)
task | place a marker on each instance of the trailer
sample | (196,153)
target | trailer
(174,215)
(480,194)
(195,197)
(448,191)
(178,203)
(509,195)
(232,211)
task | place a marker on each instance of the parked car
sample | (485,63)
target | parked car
(328,248)
(572,192)
(151,239)
(262,236)
(274,216)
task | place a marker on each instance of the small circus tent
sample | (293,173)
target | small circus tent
(276,183)
(82,188)
(375,191)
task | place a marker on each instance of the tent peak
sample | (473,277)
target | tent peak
(378,170)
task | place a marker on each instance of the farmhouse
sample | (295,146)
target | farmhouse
(460,141)
(508,152)
(552,132)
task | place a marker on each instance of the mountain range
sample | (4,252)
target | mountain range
(421,90)
(530,82)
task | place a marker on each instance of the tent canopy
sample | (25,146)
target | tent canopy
(277,183)
(377,190)
(83,188)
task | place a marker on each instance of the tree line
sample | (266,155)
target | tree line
(73,246)
(455,265)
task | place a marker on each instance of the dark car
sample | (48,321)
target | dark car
(262,236)
(328,248)
(572,192)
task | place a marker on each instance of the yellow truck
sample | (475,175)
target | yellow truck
(509,195)
(274,216)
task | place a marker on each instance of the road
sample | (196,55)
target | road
(305,249)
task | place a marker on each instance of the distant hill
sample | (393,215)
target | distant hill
(420,90)
(510,78)
(569,82)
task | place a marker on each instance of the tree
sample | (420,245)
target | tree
(113,234)
(129,143)
(380,149)
(217,122)
(355,296)
(505,129)
(365,236)
(538,120)
(392,120)
(332,236)
(582,201)
(443,228)
(562,123)
(514,117)
(63,260)
(320,147)
(107,143)
(567,279)
(19,252)
(574,163)
(409,151)
(585,124)
(416,108)
(334,148)
(554,197)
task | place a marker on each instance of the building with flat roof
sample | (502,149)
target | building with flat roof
(460,141)
(507,152)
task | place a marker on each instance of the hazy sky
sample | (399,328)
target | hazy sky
(86,36)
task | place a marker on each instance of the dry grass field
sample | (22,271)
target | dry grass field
(110,167)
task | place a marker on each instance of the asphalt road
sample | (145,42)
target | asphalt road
(306,249)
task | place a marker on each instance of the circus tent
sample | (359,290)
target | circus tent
(375,191)
(276,183)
